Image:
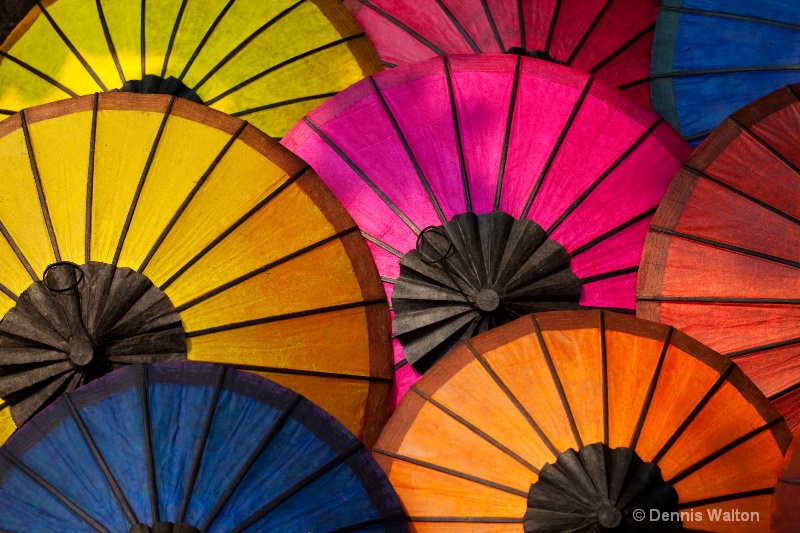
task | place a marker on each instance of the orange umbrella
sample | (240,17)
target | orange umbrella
(785,511)
(577,420)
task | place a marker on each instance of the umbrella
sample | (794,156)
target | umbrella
(720,261)
(711,57)
(270,62)
(129,219)
(489,187)
(609,38)
(577,420)
(192,448)
(787,493)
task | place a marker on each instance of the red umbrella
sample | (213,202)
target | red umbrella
(609,38)
(721,261)
(490,187)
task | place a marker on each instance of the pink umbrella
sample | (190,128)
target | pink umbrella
(489,187)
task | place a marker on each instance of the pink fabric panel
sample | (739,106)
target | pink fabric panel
(617,292)
(538,120)
(392,43)
(631,65)
(388,264)
(639,93)
(430,134)
(597,137)
(575,17)
(621,250)
(506,19)
(482,98)
(471,15)
(538,15)
(404,377)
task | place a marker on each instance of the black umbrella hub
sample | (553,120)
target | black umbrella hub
(77,324)
(152,84)
(474,273)
(600,489)
(164,527)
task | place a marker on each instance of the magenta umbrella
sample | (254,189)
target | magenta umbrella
(489,187)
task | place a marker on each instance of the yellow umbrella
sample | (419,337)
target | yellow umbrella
(268,61)
(161,215)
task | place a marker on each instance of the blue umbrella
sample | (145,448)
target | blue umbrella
(190,447)
(712,57)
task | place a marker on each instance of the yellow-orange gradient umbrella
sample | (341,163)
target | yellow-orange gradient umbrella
(163,216)
(582,420)
(270,61)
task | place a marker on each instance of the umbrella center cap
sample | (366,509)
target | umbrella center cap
(81,351)
(609,516)
(487,300)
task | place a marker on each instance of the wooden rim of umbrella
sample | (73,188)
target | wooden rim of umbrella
(566,419)
(219,259)
(719,261)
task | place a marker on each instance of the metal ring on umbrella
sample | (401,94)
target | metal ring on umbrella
(721,260)
(142,228)
(270,61)
(190,448)
(712,57)
(608,38)
(542,179)
(583,421)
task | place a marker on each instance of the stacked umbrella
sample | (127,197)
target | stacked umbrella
(509,180)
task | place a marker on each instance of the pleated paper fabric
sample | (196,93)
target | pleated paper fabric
(543,179)
(584,421)
(163,200)
(609,38)
(188,447)
(787,493)
(721,260)
(712,57)
(267,61)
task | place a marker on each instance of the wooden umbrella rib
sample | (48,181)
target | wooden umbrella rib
(469,519)
(451,472)
(201,444)
(613,231)
(388,64)
(457,25)
(776,154)
(589,31)
(112,50)
(521,22)
(379,243)
(727,497)
(493,25)
(238,48)
(610,274)
(557,146)
(552,28)
(173,35)
(485,436)
(704,299)
(622,48)
(388,519)
(651,389)
(282,103)
(189,197)
(557,382)
(142,32)
(18,252)
(313,373)
(686,472)
(125,506)
(407,149)
(38,73)
(140,186)
(40,481)
(268,437)
(761,68)
(730,16)
(604,372)
(72,47)
(87,236)
(204,40)
(784,392)
(513,399)
(763,347)
(148,444)
(38,181)
(696,411)
(462,166)
(403,27)
(362,175)
(222,236)
(245,83)
(501,171)
(265,268)
(611,168)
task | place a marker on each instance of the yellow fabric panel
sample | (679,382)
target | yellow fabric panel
(7,426)
(241,179)
(239,23)
(197,19)
(302,29)
(86,34)
(314,342)
(173,173)
(123,143)
(64,174)
(278,120)
(581,375)
(6,303)
(343,399)
(123,18)
(21,88)
(14,276)
(20,209)
(42,47)
(330,70)
(294,222)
